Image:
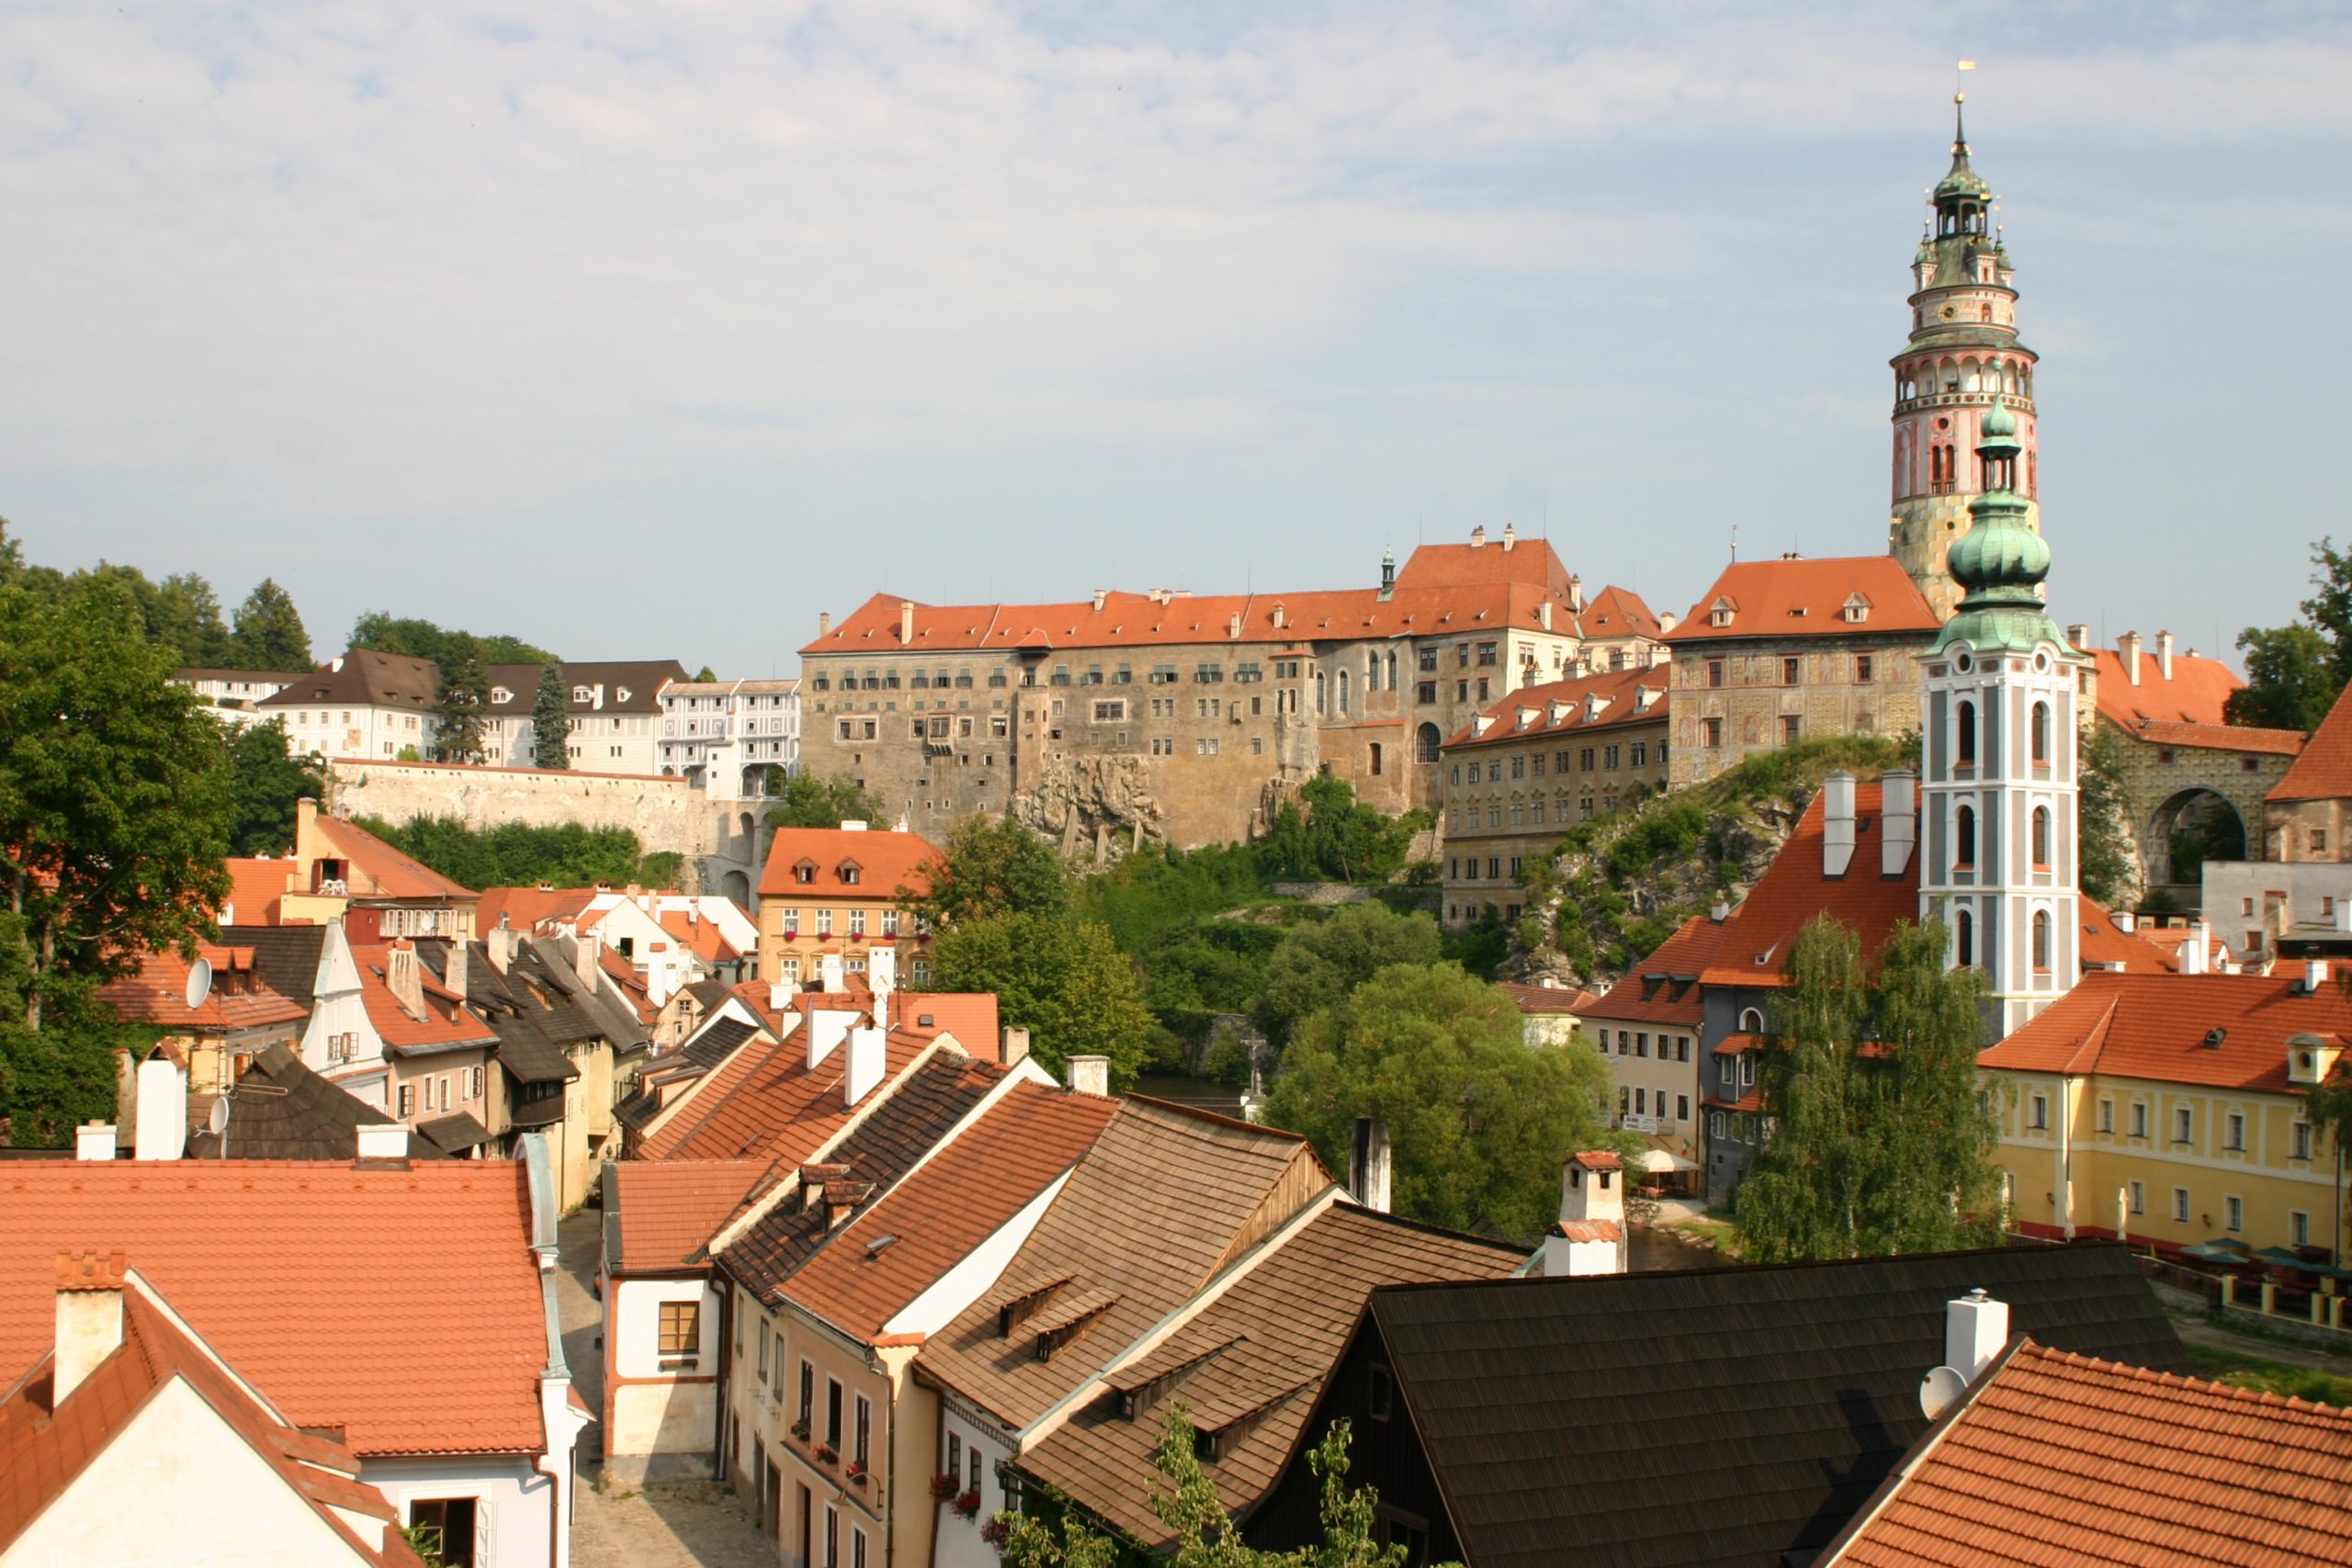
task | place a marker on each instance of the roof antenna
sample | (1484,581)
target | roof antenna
(1735,541)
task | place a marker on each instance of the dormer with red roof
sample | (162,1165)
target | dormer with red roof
(835,894)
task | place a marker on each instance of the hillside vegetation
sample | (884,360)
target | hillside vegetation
(1619,885)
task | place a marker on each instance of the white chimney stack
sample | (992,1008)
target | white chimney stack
(93,1139)
(1899,821)
(828,970)
(1837,824)
(882,974)
(2196,949)
(159,1130)
(2128,646)
(1370,1163)
(1976,1329)
(865,1060)
(89,1317)
(2314,976)
(828,1027)
(2164,654)
(1012,1046)
(1090,1074)
(779,995)
(906,622)
(1590,1236)
(383,1139)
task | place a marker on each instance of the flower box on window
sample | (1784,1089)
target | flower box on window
(825,1454)
(800,1430)
(968,1503)
(943,1486)
(857,1474)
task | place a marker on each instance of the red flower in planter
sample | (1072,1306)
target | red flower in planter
(856,1473)
(995,1531)
(970,1503)
(943,1486)
(825,1454)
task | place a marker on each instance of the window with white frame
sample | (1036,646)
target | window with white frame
(2180,1205)
(2138,1197)
(2233,1214)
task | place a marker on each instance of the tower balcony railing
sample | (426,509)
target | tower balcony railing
(1962,400)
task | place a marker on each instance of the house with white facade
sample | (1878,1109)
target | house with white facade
(232,696)
(731,735)
(359,707)
(614,708)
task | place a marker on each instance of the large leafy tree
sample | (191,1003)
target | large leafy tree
(551,719)
(1325,832)
(1478,1122)
(1316,965)
(1062,979)
(809,801)
(459,712)
(2291,679)
(269,633)
(387,633)
(114,807)
(1204,1533)
(265,784)
(185,617)
(993,865)
(2110,873)
(1881,1139)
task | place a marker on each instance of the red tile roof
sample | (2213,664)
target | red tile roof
(1754,945)
(2220,737)
(239,999)
(2323,770)
(1550,999)
(2054,1458)
(1530,561)
(969,1016)
(1020,1146)
(445,1021)
(663,1213)
(1618,611)
(1649,992)
(46,1445)
(256,886)
(2195,693)
(523,907)
(702,938)
(1807,598)
(387,872)
(1587,1230)
(1626,696)
(885,862)
(762,1102)
(308,1278)
(2154,1028)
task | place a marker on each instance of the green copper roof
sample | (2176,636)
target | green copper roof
(2000,561)
(1962,180)
(2000,423)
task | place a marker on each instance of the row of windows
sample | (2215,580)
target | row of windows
(1637,1103)
(820,921)
(2298,1223)
(436,1096)
(1637,1042)
(1788,667)
(1636,754)
(1464,818)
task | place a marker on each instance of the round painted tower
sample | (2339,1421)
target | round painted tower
(1963,357)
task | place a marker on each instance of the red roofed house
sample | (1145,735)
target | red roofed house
(1787,649)
(1647,1028)
(829,901)
(341,870)
(236,1015)
(1169,715)
(2168,1108)
(361,1382)
(2308,812)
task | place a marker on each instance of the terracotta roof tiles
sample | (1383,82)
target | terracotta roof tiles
(660,1215)
(1662,987)
(239,999)
(2241,737)
(1566,708)
(2323,770)
(1753,947)
(2155,1027)
(255,888)
(388,872)
(886,860)
(1781,599)
(2195,693)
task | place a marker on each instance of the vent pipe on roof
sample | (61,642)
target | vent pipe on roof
(1976,1329)
(89,1317)
(1836,823)
(1899,823)
(906,622)
(1369,1164)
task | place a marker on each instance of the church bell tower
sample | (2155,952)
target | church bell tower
(1962,359)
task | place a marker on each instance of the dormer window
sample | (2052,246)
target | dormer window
(1720,613)
(624,693)
(848,872)
(1857,609)
(579,694)
(500,694)
(804,872)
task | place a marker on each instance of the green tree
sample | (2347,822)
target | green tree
(186,619)
(2329,1108)
(705,675)
(1062,979)
(269,633)
(993,865)
(266,782)
(2291,679)
(113,825)
(459,712)
(2329,609)
(387,633)
(2108,872)
(519,854)
(1317,965)
(1479,1122)
(813,801)
(1882,1141)
(551,719)
(1326,832)
(1204,1533)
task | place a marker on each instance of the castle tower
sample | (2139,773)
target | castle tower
(1962,358)
(1998,784)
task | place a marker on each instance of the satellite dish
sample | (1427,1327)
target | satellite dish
(1938,1389)
(199,982)
(219,1120)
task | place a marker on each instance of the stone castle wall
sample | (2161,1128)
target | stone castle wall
(666,814)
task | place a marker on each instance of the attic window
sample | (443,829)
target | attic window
(804,872)
(1719,614)
(849,869)
(1857,609)
(579,694)
(500,694)
(2214,1038)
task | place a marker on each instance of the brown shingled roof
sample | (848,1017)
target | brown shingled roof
(364,678)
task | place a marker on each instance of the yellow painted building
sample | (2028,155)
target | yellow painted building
(2168,1108)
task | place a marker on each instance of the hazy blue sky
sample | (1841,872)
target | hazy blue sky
(654,330)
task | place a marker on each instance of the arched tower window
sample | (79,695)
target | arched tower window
(2040,735)
(1965,716)
(1964,931)
(1963,838)
(2042,837)
(1751,1021)
(2041,941)
(1988,313)
(1343,691)
(1425,744)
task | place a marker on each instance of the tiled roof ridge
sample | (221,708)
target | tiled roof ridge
(1177,1110)
(1350,1209)
(2074,1360)
(2094,1244)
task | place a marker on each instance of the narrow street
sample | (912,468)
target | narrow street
(665,1525)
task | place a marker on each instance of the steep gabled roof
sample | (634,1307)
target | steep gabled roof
(1530,563)
(522,909)
(1753,946)
(1722,1415)
(1164,1199)
(764,1102)
(1581,706)
(286,958)
(386,872)
(2058,1458)
(291,1270)
(1618,611)
(1266,1343)
(886,860)
(2156,1028)
(364,678)
(2323,770)
(1800,598)
(281,1109)
(255,888)
(445,1025)
(1662,987)
(658,1215)
(239,999)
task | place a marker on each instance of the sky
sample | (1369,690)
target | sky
(654,330)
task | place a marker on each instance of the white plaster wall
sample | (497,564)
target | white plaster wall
(635,1324)
(958,1543)
(663,1419)
(515,1505)
(961,1286)
(178,1489)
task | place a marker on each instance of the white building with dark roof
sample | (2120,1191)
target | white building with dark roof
(615,709)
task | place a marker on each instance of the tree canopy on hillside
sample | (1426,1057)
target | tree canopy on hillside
(387,633)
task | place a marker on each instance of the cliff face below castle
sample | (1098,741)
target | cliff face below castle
(1093,808)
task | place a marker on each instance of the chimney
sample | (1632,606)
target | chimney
(865,1057)
(1590,1236)
(383,1139)
(1898,821)
(1090,1074)
(400,977)
(829,971)
(828,1027)
(458,969)
(1369,1164)
(2343,914)
(2164,654)
(2126,921)
(585,952)
(2078,636)
(499,946)
(159,1121)
(855,825)
(1388,574)
(1012,1046)
(1478,538)
(2314,976)
(1576,595)
(779,995)
(824,622)
(2127,645)
(882,974)
(1279,617)
(1511,536)
(2195,948)
(906,622)
(1100,594)
(1976,1329)
(1233,628)
(1543,615)
(1720,911)
(93,1139)
(89,1317)
(1836,823)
